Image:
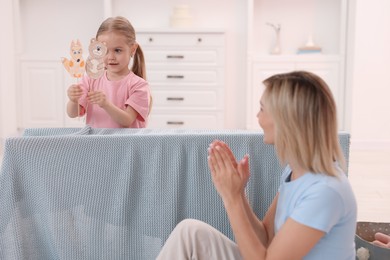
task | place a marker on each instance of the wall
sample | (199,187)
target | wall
(370,84)
(8,125)
(368,89)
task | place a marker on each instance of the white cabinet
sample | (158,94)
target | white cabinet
(328,68)
(40,97)
(324,21)
(43,95)
(185,70)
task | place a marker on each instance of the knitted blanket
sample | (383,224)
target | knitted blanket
(86,193)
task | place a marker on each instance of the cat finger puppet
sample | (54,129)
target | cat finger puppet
(95,61)
(75,65)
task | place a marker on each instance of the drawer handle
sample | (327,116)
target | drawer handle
(175,56)
(175,77)
(175,123)
(175,98)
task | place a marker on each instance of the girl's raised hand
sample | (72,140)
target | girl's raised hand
(228,175)
(74,93)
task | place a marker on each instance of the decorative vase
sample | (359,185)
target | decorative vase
(181,17)
(276,49)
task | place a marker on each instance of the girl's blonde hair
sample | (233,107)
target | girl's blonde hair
(122,26)
(305,119)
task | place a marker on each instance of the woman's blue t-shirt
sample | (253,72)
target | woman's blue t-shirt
(321,202)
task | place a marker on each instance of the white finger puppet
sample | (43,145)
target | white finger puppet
(95,61)
(75,65)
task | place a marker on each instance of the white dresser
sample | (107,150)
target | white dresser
(185,70)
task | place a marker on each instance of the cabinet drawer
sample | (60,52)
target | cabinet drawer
(194,121)
(183,76)
(209,57)
(182,99)
(146,39)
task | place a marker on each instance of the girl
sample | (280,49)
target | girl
(313,215)
(121,97)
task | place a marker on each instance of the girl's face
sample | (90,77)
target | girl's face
(118,54)
(266,122)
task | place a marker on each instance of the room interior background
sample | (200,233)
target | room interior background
(353,35)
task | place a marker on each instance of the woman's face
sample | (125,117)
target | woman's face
(266,122)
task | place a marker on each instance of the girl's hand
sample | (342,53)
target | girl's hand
(97,97)
(74,93)
(229,176)
(382,240)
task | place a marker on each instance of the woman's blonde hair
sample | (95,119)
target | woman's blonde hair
(305,119)
(122,26)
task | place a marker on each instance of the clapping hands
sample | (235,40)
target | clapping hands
(229,176)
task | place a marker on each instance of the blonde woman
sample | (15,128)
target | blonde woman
(313,215)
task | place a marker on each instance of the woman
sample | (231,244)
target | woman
(313,215)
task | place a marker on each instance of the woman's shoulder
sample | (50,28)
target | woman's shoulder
(330,186)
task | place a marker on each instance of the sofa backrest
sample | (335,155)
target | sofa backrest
(118,193)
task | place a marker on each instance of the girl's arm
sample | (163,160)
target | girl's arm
(293,241)
(71,109)
(74,93)
(123,117)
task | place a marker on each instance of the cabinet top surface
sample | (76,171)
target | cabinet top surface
(169,30)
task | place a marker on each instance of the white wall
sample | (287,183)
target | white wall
(370,108)
(367,106)
(8,125)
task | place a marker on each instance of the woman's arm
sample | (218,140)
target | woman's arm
(293,241)
(230,180)
(264,229)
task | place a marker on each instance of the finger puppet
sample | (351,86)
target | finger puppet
(95,61)
(75,65)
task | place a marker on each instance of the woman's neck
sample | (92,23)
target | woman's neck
(296,172)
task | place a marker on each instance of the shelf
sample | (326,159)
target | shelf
(295,57)
(323,20)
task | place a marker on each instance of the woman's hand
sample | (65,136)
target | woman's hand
(229,176)
(74,93)
(98,98)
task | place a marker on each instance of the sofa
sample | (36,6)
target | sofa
(84,193)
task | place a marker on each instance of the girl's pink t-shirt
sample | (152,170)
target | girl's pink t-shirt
(132,91)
